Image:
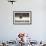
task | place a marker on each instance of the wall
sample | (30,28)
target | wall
(9,31)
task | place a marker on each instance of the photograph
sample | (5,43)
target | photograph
(22,17)
(22,22)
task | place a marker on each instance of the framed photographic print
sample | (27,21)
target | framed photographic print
(22,17)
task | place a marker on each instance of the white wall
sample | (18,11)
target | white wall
(9,31)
